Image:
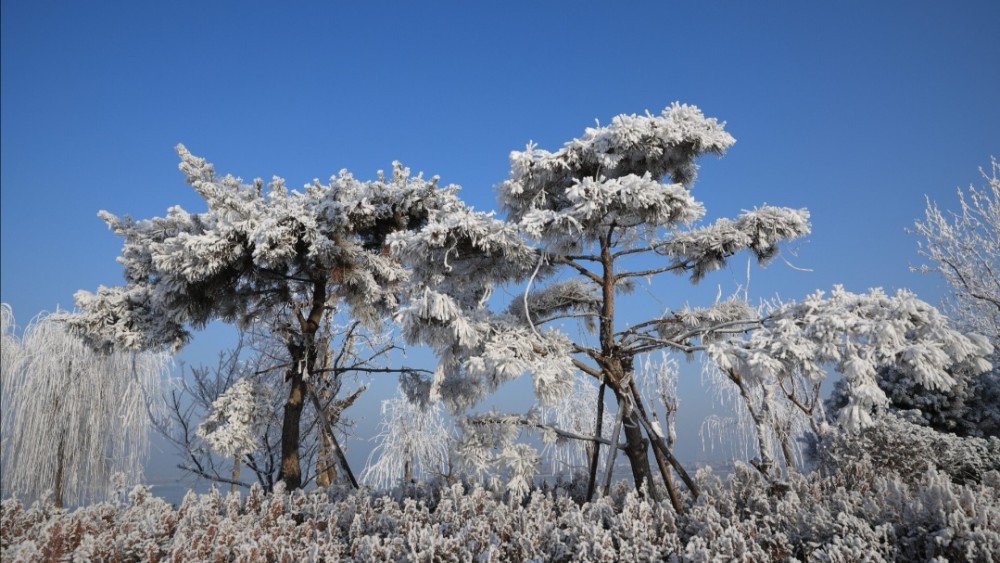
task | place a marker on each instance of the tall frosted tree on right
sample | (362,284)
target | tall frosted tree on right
(601,207)
(597,210)
(583,226)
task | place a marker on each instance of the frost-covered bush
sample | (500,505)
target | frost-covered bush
(970,408)
(813,518)
(906,449)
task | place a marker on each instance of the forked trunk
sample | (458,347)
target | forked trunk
(637,451)
(302,353)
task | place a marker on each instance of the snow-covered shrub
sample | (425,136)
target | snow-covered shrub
(813,518)
(971,407)
(907,449)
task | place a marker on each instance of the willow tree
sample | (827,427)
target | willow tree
(583,226)
(73,418)
(288,260)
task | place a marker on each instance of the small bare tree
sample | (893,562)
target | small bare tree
(210,424)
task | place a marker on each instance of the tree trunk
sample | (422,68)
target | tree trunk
(58,492)
(637,451)
(675,498)
(233,487)
(302,353)
(766,463)
(326,466)
(595,447)
(327,429)
(661,450)
(612,454)
(291,470)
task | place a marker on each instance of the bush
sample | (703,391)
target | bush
(816,518)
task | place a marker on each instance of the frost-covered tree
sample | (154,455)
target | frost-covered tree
(580,220)
(286,259)
(257,358)
(964,247)
(413,443)
(777,362)
(73,418)
(583,226)
(234,422)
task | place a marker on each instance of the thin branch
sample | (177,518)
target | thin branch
(659,343)
(363,369)
(584,271)
(566,316)
(210,477)
(586,257)
(541,426)
(650,272)
(651,248)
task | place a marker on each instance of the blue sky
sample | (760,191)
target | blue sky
(855,110)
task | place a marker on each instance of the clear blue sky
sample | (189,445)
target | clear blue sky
(855,110)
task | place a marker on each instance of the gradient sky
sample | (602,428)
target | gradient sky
(855,110)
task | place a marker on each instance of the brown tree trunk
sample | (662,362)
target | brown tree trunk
(595,453)
(58,493)
(675,498)
(233,487)
(637,451)
(661,450)
(302,353)
(291,470)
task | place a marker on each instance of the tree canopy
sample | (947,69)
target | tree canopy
(288,260)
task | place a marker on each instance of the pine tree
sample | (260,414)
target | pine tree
(291,261)
(583,226)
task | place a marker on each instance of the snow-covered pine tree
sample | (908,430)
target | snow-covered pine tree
(964,248)
(583,225)
(287,259)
